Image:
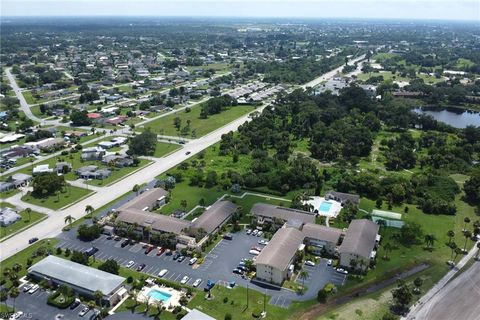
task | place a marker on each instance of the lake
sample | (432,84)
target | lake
(455,117)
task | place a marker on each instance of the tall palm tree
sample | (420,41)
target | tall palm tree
(148,231)
(29,212)
(450,235)
(4,297)
(69,220)
(135,189)
(14,293)
(387,247)
(467,234)
(467,221)
(478,251)
(429,240)
(457,252)
(452,246)
(98,295)
(17,267)
(89,209)
(303,276)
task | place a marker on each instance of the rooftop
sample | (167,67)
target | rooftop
(268,210)
(360,238)
(215,215)
(77,274)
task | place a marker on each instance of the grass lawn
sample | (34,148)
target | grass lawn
(387,75)
(164,125)
(380,57)
(68,197)
(23,256)
(26,221)
(30,98)
(130,306)
(215,66)
(234,301)
(164,148)
(125,88)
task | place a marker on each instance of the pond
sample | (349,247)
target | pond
(458,118)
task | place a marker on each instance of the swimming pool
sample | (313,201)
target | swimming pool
(325,206)
(159,295)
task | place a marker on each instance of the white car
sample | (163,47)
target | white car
(130,264)
(16,315)
(27,287)
(262,242)
(184,280)
(259,233)
(162,273)
(197,283)
(192,261)
(249,231)
(310,263)
(34,289)
(329,262)
(254,232)
(84,311)
(340,270)
(254,252)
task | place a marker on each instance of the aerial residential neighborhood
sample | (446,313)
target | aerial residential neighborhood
(187,160)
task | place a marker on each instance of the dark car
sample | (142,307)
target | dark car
(242,268)
(32,240)
(117,238)
(91,251)
(228,236)
(125,243)
(181,258)
(187,153)
(238,271)
(148,249)
(74,304)
(210,284)
(110,237)
(140,267)
(176,256)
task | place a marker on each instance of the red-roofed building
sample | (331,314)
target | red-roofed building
(94,115)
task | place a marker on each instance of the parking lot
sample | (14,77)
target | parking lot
(218,264)
(34,306)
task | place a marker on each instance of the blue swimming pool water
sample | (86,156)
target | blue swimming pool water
(325,206)
(159,295)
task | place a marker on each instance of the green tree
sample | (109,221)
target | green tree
(69,220)
(89,210)
(402,295)
(303,276)
(14,293)
(143,144)
(450,235)
(29,212)
(110,266)
(467,234)
(98,295)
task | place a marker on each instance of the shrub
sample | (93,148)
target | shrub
(228,316)
(129,279)
(257,313)
(52,300)
(225,300)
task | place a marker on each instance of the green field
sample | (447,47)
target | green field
(215,66)
(387,75)
(71,195)
(164,125)
(163,149)
(27,221)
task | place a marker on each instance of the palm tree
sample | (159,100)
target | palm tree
(4,297)
(17,267)
(466,220)
(29,212)
(14,293)
(467,235)
(89,209)
(98,295)
(457,252)
(387,247)
(429,240)
(450,235)
(159,304)
(135,189)
(452,246)
(303,276)
(148,231)
(478,251)
(69,220)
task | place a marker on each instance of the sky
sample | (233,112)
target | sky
(377,9)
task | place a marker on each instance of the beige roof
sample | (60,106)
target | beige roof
(158,222)
(319,232)
(281,248)
(360,238)
(268,210)
(144,200)
(215,216)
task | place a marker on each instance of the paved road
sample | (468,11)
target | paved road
(52,226)
(23,103)
(437,303)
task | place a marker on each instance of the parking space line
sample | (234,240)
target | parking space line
(150,269)
(171,276)
(179,275)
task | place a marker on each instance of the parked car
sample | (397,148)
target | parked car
(117,238)
(243,268)
(176,256)
(181,258)
(210,284)
(34,289)
(254,232)
(32,240)
(160,251)
(184,280)
(197,283)
(262,242)
(329,262)
(259,233)
(130,264)
(84,311)
(95,314)
(228,236)
(310,263)
(110,237)
(140,267)
(254,252)
(168,252)
(27,287)
(238,271)
(343,271)
(74,304)
(249,231)
(91,251)
(256,248)
(192,261)
(148,249)
(162,273)
(125,243)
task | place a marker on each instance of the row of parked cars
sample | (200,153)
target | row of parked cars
(255,232)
